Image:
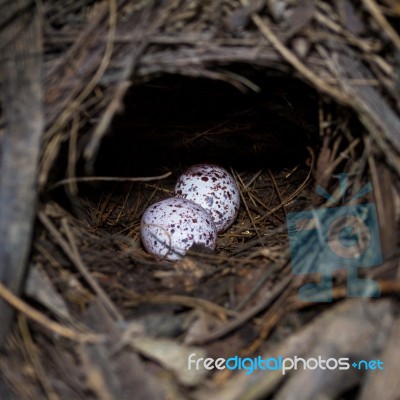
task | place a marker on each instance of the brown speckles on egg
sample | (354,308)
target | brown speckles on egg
(170,227)
(213,188)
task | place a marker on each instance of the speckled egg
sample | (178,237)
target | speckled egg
(214,189)
(170,227)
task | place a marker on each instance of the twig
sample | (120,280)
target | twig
(258,285)
(381,20)
(296,63)
(245,316)
(341,157)
(278,193)
(72,252)
(72,155)
(41,319)
(35,359)
(296,192)
(237,179)
(106,118)
(66,181)
(96,77)
(81,267)
(255,176)
(273,316)
(187,301)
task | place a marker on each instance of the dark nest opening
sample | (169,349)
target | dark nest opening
(288,99)
(265,138)
(174,121)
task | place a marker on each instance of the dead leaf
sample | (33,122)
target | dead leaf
(300,17)
(172,356)
(349,18)
(40,289)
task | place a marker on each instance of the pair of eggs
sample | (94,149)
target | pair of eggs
(206,202)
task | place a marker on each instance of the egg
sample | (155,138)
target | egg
(170,227)
(213,188)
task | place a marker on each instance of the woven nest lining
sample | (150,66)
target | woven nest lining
(286,95)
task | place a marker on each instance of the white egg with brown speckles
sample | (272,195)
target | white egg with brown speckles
(214,189)
(170,227)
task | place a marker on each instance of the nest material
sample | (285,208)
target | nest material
(343,53)
(123,316)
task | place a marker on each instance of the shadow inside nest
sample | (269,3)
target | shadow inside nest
(173,122)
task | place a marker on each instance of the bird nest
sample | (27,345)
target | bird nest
(299,101)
